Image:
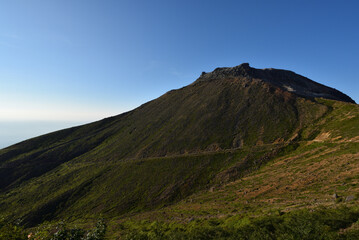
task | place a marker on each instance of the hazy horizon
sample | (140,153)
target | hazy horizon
(13,132)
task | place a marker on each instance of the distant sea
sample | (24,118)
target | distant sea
(17,131)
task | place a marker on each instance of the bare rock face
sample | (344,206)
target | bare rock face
(286,80)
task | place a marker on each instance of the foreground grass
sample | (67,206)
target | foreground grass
(320,223)
(48,231)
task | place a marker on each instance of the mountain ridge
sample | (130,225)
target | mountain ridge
(216,130)
(287,80)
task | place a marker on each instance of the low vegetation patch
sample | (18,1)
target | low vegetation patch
(340,223)
(48,231)
(322,223)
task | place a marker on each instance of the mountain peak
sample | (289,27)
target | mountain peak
(242,70)
(284,79)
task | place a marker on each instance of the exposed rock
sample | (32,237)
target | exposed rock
(335,196)
(286,80)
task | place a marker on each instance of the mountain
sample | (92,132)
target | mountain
(233,128)
(286,80)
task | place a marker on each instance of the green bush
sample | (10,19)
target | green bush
(63,232)
(9,231)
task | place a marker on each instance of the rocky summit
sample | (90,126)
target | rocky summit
(287,80)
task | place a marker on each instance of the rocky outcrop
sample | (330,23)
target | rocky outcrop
(286,80)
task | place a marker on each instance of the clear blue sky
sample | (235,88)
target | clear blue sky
(82,60)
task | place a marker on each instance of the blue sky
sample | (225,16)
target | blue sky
(65,60)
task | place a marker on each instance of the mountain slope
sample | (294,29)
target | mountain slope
(323,162)
(220,128)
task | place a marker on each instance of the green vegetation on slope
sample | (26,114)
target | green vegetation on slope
(321,223)
(187,140)
(214,150)
(60,231)
(211,185)
(88,189)
(203,117)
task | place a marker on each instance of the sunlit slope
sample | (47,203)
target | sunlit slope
(322,168)
(80,188)
(303,172)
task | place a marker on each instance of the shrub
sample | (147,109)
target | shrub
(63,232)
(11,231)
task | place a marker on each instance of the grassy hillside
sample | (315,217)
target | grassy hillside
(306,171)
(216,198)
(214,150)
(88,189)
(320,169)
(203,117)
